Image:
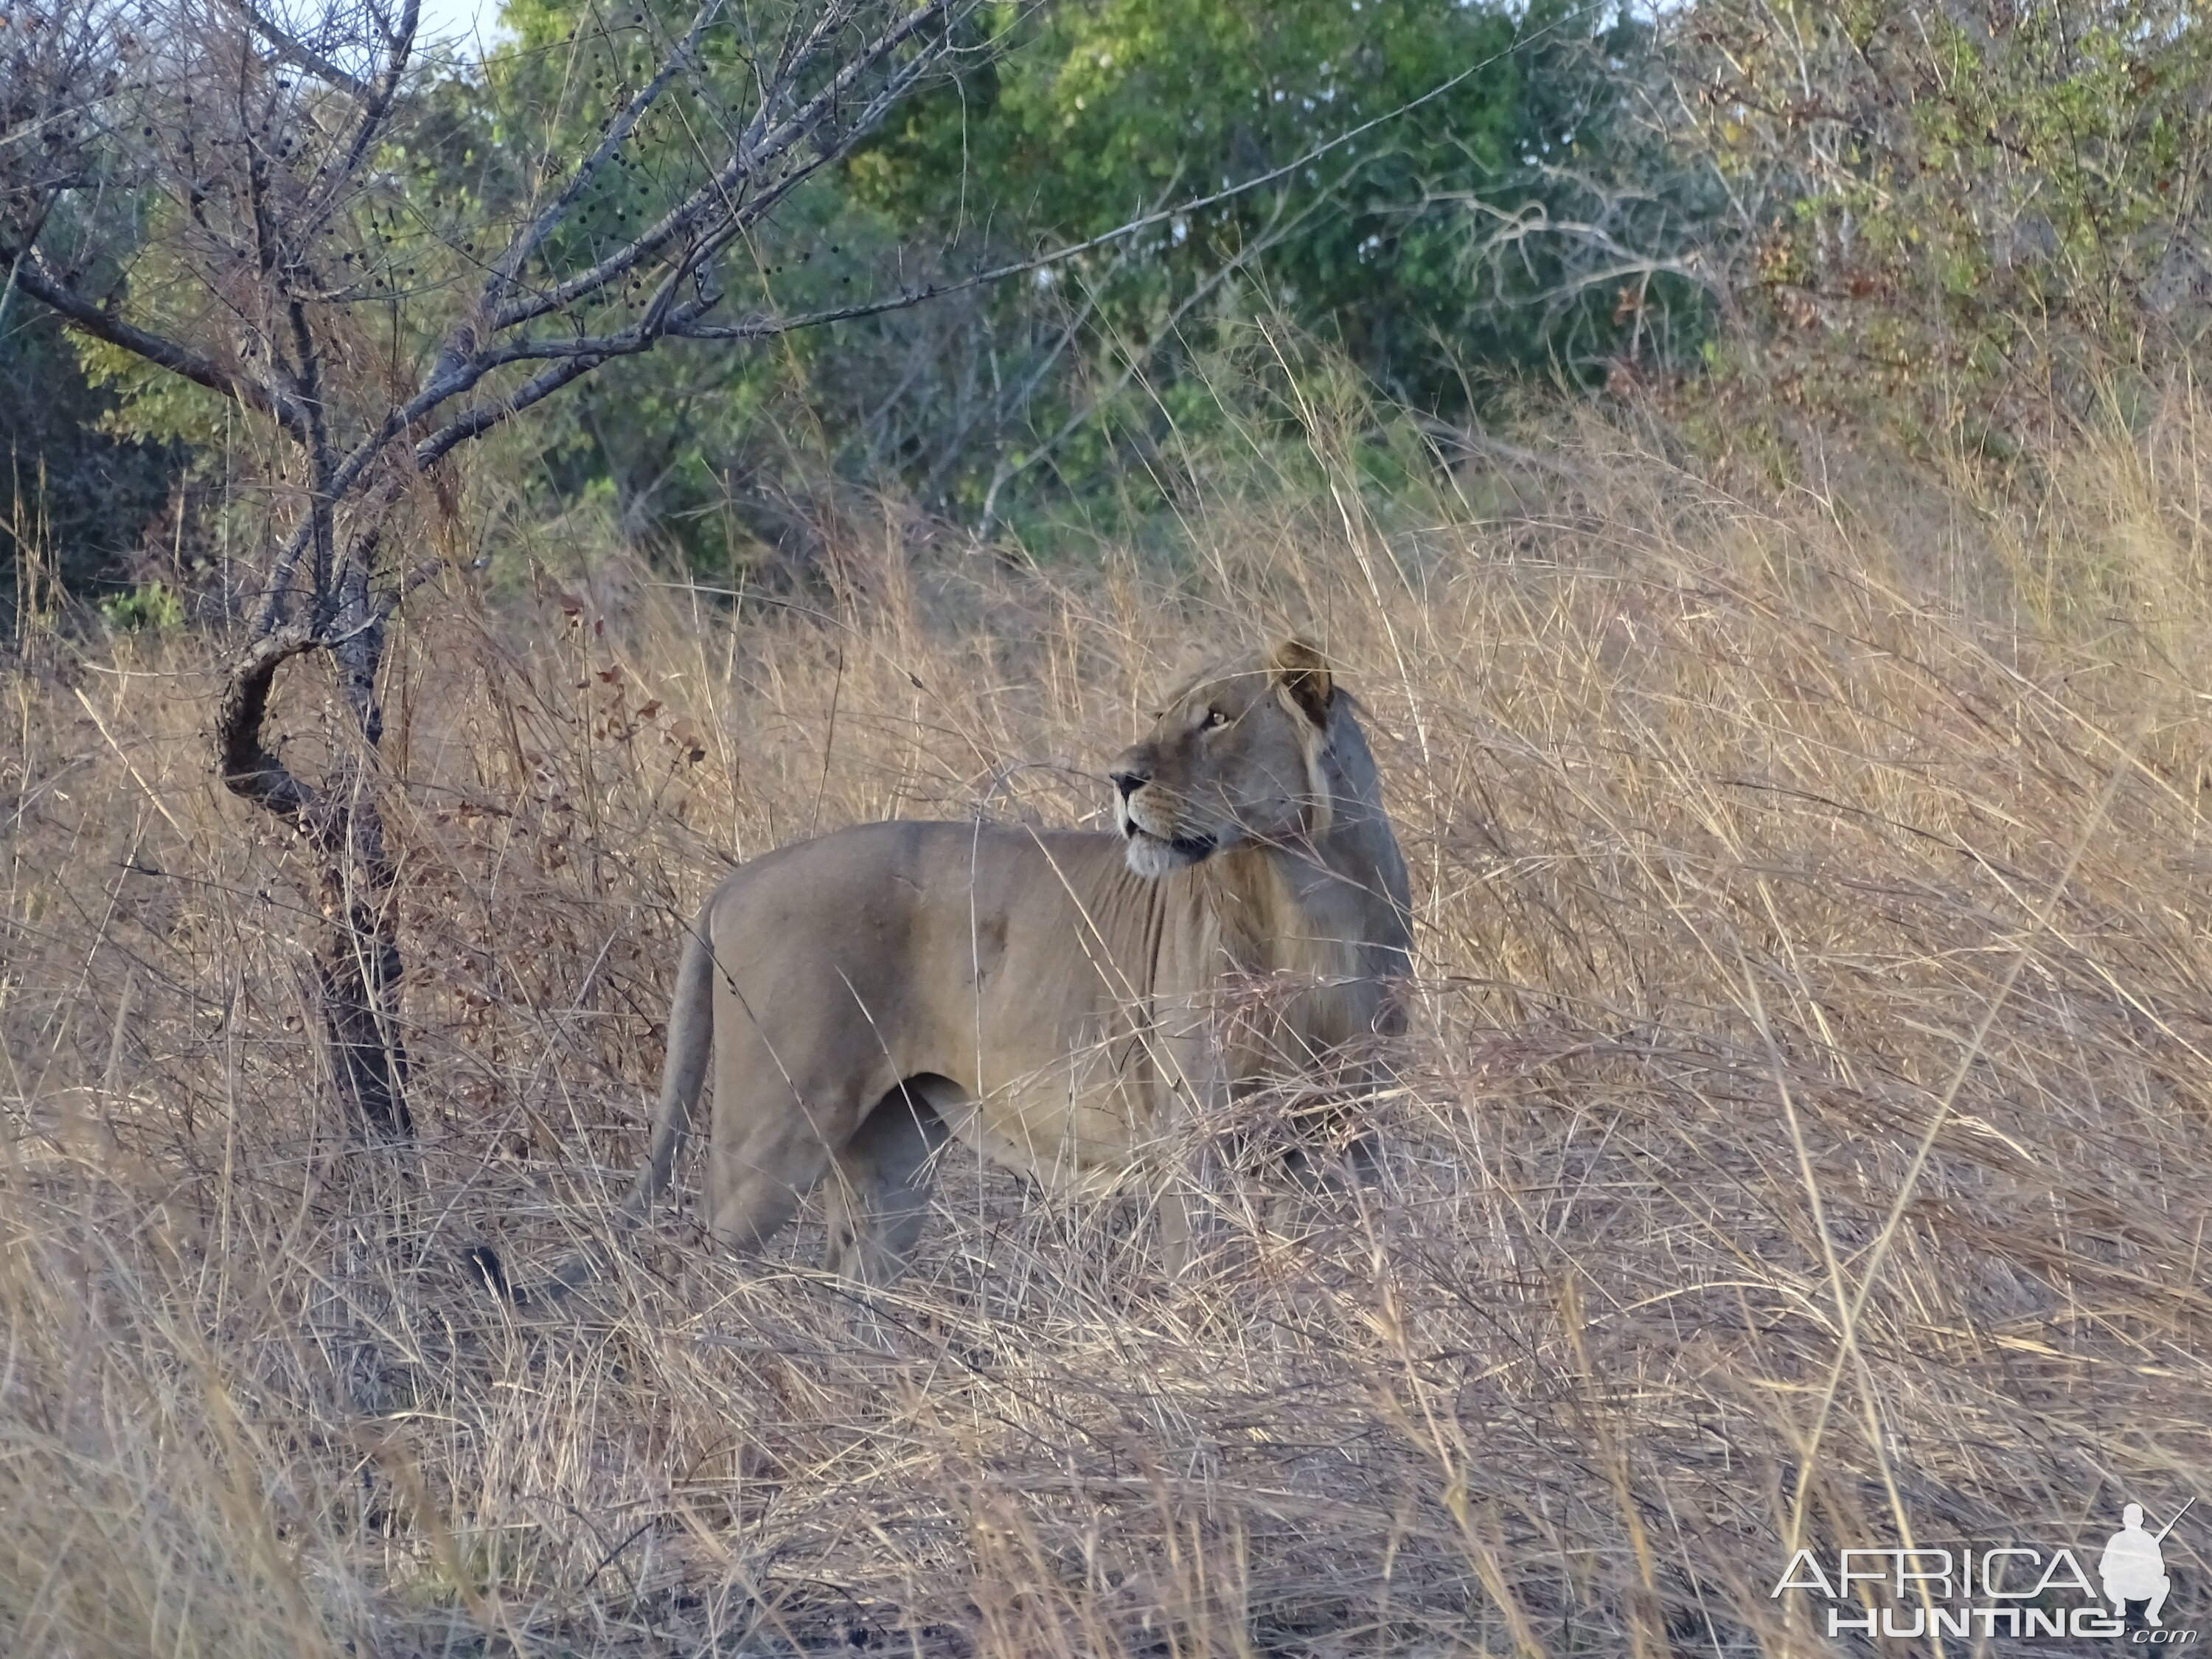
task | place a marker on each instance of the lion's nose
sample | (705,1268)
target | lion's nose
(1129,782)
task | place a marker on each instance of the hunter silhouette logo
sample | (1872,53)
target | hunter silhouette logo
(2009,1589)
(2133,1565)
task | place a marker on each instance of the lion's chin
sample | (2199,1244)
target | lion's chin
(1153,856)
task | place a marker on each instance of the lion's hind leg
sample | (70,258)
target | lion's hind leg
(877,1196)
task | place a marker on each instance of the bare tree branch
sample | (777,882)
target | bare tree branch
(102,324)
(228,197)
(294,50)
(481,419)
(751,157)
(373,104)
(506,269)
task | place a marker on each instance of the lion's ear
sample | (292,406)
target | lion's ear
(1302,672)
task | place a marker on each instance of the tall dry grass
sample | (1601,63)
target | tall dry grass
(1801,1139)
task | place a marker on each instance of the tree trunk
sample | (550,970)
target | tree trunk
(358,962)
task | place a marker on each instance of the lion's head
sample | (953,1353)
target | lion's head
(1234,757)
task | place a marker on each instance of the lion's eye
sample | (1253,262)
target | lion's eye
(1214,717)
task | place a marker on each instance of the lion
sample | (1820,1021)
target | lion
(1050,998)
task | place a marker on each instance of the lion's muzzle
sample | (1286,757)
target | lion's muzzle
(1154,848)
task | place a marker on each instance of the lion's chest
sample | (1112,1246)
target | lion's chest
(1072,1089)
(1048,1018)
(1074,1078)
(1085,1013)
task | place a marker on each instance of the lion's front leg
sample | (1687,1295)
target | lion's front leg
(1312,1175)
(1195,1093)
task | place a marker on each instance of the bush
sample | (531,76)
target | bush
(1964,225)
(150,606)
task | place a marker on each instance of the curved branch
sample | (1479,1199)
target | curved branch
(249,770)
(358,961)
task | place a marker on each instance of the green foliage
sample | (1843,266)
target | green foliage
(148,607)
(1428,251)
(699,443)
(73,469)
(149,404)
(1103,109)
(1504,220)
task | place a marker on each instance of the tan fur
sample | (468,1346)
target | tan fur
(1052,998)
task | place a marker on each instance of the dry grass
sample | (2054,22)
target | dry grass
(1802,1138)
